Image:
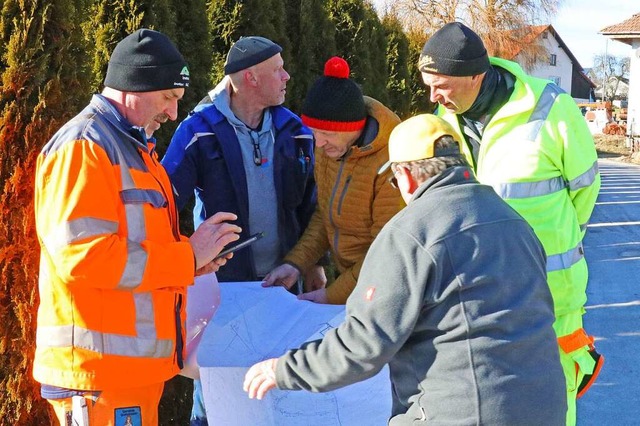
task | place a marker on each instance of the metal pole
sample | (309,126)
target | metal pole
(604,69)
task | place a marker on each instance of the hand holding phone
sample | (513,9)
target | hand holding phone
(240,245)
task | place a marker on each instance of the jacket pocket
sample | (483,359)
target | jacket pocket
(142,196)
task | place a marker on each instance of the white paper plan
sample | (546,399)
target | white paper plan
(255,323)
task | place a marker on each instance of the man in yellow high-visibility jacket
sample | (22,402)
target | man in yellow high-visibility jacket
(113,265)
(528,140)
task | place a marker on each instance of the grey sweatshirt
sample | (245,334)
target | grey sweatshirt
(453,296)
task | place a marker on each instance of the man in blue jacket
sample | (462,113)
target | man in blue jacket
(240,151)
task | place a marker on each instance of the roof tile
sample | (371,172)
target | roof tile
(630,26)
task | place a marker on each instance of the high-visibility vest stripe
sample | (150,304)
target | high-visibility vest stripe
(134,267)
(585,179)
(136,227)
(566,260)
(141,196)
(529,189)
(65,336)
(76,230)
(542,109)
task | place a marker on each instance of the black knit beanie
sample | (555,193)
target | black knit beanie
(454,50)
(334,102)
(146,61)
(249,51)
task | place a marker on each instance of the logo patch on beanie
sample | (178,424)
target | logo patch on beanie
(184,73)
(426,63)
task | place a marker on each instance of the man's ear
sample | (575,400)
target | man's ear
(250,77)
(477,79)
(406,176)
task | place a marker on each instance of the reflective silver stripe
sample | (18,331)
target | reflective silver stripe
(565,260)
(529,189)
(67,336)
(145,317)
(303,137)
(151,196)
(77,229)
(136,230)
(146,342)
(542,109)
(473,135)
(585,179)
(135,266)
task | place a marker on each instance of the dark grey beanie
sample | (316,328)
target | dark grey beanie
(146,61)
(454,50)
(249,51)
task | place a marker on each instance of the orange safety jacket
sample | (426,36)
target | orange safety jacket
(113,266)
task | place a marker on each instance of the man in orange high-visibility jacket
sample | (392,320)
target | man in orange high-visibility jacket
(114,267)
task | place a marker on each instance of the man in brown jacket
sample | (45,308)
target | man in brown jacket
(351,133)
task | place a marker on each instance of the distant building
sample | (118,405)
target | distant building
(629,32)
(619,84)
(560,66)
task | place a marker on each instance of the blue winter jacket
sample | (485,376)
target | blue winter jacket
(204,158)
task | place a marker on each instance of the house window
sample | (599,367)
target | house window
(552,60)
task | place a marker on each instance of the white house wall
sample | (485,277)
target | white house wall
(633,115)
(562,70)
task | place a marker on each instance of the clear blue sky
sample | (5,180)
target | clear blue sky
(578,23)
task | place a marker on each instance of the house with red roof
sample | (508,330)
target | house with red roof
(558,64)
(628,32)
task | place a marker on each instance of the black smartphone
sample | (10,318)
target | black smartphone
(237,245)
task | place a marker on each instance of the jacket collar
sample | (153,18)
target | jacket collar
(213,112)
(456,175)
(375,136)
(110,113)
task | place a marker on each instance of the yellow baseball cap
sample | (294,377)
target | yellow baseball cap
(414,139)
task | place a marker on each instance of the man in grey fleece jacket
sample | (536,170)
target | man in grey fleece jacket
(452,295)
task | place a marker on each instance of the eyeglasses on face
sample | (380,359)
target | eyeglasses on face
(392,180)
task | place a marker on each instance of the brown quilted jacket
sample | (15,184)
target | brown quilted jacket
(354,203)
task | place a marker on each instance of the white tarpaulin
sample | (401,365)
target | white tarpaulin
(255,323)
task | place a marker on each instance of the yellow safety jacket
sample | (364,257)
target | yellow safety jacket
(539,156)
(113,266)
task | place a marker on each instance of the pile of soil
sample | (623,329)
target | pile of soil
(613,147)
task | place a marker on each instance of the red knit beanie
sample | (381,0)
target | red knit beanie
(334,102)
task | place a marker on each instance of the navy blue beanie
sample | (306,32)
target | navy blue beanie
(249,51)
